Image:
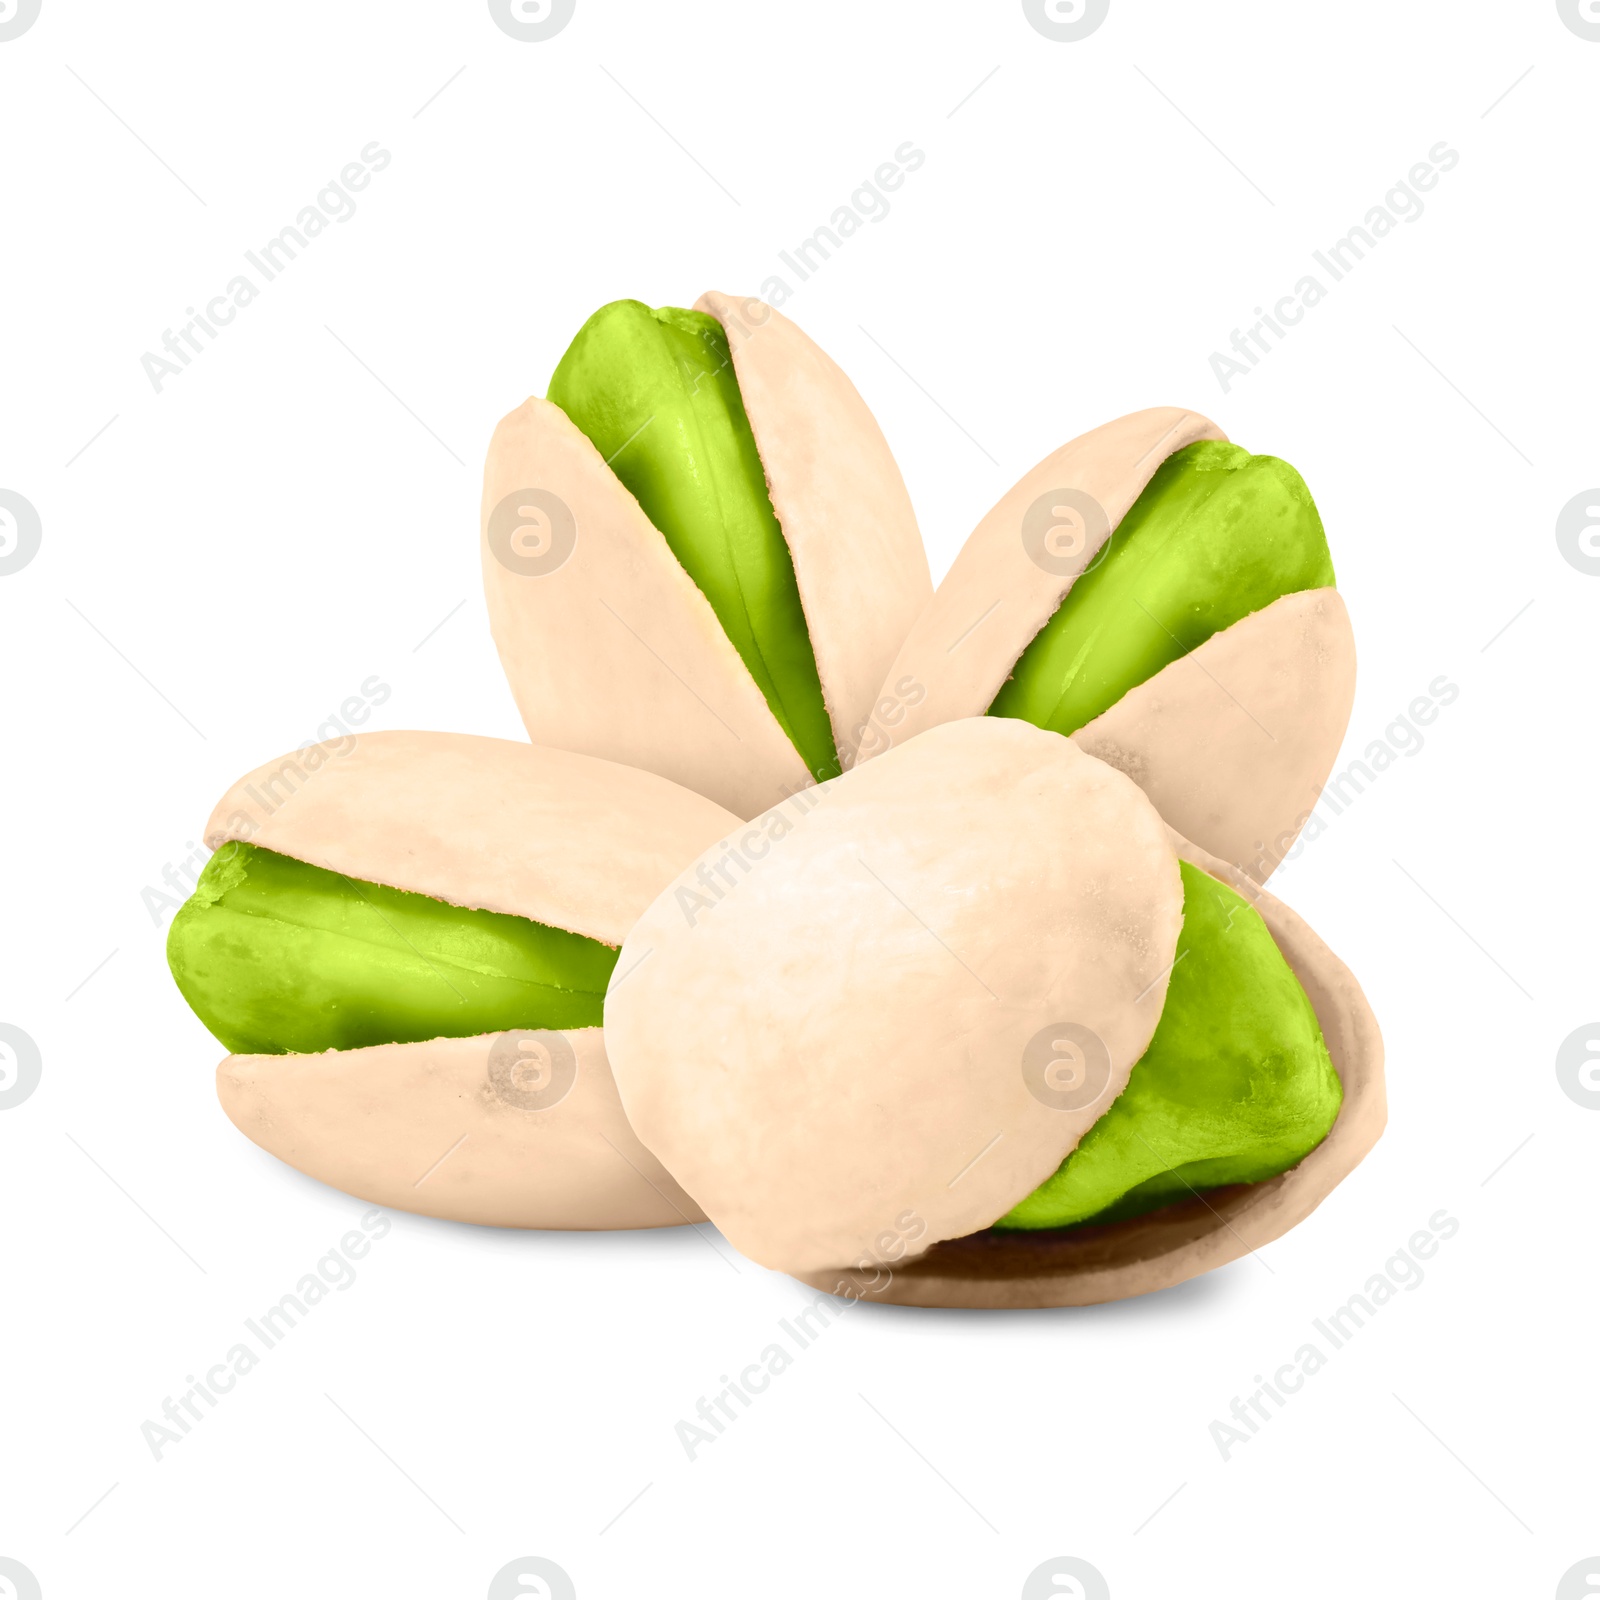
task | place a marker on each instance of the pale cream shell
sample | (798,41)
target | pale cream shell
(1087,1265)
(615,653)
(418,1127)
(1234,742)
(823,1029)
(560,838)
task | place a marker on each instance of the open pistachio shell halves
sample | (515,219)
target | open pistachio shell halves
(735,643)
(404,939)
(971,1025)
(1165,599)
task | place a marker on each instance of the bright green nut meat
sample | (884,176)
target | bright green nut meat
(655,393)
(1236,1086)
(1217,534)
(277,956)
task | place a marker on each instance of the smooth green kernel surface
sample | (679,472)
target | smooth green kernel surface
(655,393)
(1236,1085)
(275,955)
(1217,534)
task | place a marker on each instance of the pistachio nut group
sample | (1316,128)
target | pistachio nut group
(698,553)
(982,1006)
(1167,600)
(980,999)
(404,941)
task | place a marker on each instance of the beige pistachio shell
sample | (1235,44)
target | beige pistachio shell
(996,596)
(1089,1264)
(490,824)
(609,647)
(1233,741)
(840,500)
(421,1127)
(562,839)
(822,1030)
(614,652)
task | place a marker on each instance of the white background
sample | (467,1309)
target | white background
(228,560)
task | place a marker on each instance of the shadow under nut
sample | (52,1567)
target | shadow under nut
(1095,1263)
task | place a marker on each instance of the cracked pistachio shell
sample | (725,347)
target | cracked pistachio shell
(1233,741)
(431,1126)
(609,647)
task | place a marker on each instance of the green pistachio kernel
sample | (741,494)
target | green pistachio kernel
(276,956)
(1217,534)
(1236,1086)
(655,393)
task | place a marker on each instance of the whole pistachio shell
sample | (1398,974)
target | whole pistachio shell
(1233,741)
(609,647)
(1091,1264)
(836,1039)
(468,1128)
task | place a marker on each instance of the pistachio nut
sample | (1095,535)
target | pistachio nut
(404,941)
(698,553)
(1167,600)
(978,1028)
